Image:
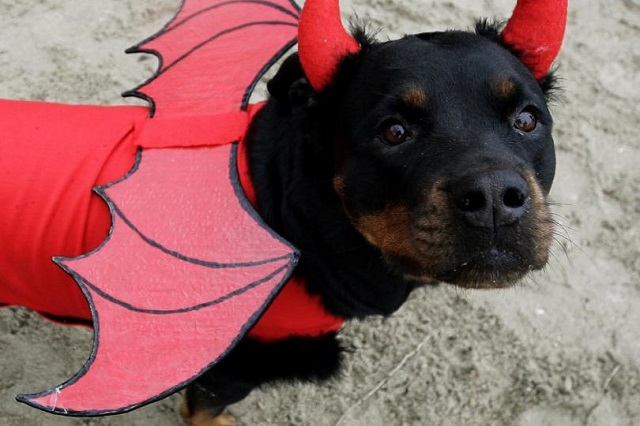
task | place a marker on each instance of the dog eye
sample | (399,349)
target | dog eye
(526,121)
(394,133)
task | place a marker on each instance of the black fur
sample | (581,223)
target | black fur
(491,30)
(302,140)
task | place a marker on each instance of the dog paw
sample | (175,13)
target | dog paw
(221,420)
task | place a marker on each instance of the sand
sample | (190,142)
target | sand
(562,348)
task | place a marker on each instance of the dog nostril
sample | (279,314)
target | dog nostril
(513,198)
(472,202)
(490,199)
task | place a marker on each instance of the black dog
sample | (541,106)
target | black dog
(424,159)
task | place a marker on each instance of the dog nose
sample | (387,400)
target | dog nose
(491,199)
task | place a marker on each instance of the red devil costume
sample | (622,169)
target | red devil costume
(177,256)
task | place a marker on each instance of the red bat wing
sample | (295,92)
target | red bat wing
(188,266)
(223,63)
(167,308)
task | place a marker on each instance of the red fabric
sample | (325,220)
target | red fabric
(536,28)
(323,41)
(155,296)
(193,131)
(295,313)
(212,51)
(52,155)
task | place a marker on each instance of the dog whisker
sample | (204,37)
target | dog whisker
(562,247)
(558,204)
(565,228)
(552,254)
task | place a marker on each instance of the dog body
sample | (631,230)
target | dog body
(424,159)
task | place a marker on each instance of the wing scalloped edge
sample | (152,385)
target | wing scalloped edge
(107,314)
(290,12)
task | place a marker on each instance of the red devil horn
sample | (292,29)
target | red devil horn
(322,41)
(536,29)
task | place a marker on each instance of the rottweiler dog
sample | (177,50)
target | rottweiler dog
(424,159)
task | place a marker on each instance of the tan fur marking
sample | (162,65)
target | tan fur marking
(184,411)
(339,186)
(543,225)
(433,231)
(504,87)
(415,97)
(388,230)
(202,418)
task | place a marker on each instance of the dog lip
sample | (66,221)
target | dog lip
(493,268)
(495,259)
(498,255)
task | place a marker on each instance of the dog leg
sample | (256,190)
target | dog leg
(206,400)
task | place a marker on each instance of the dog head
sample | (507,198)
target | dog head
(444,154)
(445,158)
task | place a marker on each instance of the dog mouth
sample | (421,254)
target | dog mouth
(493,268)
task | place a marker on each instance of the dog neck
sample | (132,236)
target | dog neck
(291,168)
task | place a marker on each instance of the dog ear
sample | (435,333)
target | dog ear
(323,41)
(289,86)
(534,33)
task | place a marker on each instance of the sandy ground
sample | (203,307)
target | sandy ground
(563,348)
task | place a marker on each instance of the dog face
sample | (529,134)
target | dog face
(445,157)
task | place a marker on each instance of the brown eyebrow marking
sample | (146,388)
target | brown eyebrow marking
(504,87)
(414,96)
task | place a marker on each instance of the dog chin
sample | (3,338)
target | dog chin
(485,280)
(488,270)
(491,269)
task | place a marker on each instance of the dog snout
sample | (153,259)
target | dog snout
(491,199)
